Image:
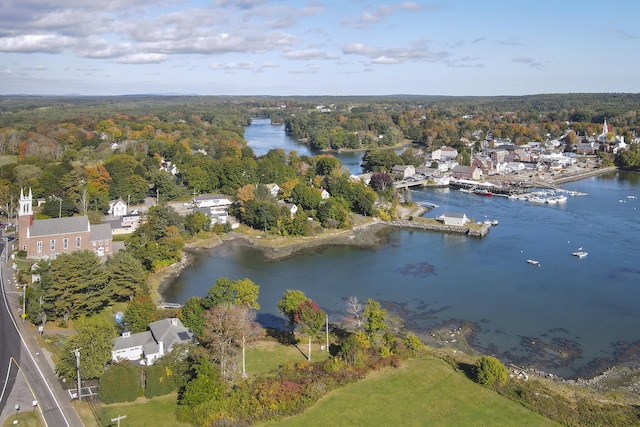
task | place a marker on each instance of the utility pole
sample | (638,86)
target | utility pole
(326,326)
(118,418)
(24,302)
(244,372)
(77,353)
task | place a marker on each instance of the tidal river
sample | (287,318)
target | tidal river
(569,316)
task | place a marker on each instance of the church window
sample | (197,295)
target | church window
(39,245)
(65,243)
(52,244)
(78,241)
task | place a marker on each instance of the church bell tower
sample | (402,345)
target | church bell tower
(25,218)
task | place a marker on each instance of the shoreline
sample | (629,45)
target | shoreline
(364,235)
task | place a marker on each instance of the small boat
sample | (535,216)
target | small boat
(482,192)
(533,262)
(580,254)
(494,222)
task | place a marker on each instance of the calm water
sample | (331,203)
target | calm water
(262,136)
(529,315)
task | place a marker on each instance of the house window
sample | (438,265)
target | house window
(52,244)
(65,243)
(38,246)
(94,243)
(78,241)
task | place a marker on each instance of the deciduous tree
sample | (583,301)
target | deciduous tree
(311,319)
(93,339)
(374,316)
(227,328)
(288,305)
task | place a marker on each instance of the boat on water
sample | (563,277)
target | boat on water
(466,190)
(580,254)
(494,222)
(482,192)
(533,262)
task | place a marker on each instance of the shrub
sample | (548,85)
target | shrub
(412,342)
(490,371)
(157,381)
(119,384)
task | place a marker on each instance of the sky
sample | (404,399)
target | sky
(326,47)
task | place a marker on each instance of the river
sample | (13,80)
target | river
(570,316)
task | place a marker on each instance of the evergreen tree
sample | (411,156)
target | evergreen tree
(76,285)
(126,276)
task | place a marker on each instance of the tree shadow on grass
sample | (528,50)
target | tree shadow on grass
(468,370)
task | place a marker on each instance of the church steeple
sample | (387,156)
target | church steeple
(605,128)
(26,203)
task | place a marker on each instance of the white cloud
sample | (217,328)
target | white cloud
(309,54)
(47,43)
(232,66)
(143,58)
(394,55)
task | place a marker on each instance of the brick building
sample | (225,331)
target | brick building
(46,238)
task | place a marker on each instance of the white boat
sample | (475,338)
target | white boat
(533,262)
(494,222)
(536,199)
(580,254)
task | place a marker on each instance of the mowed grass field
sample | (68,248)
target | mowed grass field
(424,392)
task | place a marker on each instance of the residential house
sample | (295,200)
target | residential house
(444,153)
(126,224)
(47,238)
(292,208)
(273,188)
(117,208)
(365,178)
(405,171)
(324,194)
(150,345)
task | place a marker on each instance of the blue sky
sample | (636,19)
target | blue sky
(271,47)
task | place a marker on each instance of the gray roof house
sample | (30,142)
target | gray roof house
(150,345)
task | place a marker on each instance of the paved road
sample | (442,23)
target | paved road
(52,401)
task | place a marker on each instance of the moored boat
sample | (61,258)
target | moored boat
(482,192)
(580,254)
(533,262)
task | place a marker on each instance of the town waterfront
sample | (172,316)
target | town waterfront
(570,316)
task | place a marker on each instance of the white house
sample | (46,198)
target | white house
(150,345)
(117,208)
(455,218)
(444,153)
(215,200)
(273,188)
(292,208)
(324,194)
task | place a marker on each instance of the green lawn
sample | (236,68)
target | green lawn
(268,355)
(421,392)
(158,412)
(25,419)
